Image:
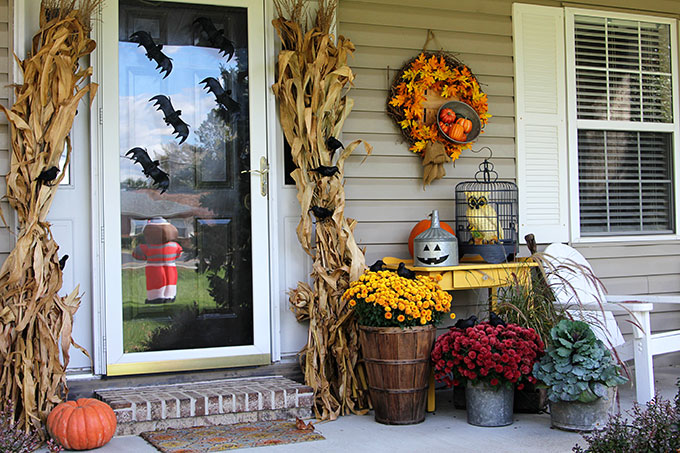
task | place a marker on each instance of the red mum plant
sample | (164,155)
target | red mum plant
(500,355)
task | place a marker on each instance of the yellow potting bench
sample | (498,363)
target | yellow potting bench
(469,275)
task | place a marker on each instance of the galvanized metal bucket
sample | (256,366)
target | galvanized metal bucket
(577,416)
(489,405)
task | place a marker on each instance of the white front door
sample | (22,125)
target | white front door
(185,219)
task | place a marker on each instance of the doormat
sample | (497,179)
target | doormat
(202,439)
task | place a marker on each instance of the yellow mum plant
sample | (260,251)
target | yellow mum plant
(384,299)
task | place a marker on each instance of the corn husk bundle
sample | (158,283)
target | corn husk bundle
(36,321)
(311,90)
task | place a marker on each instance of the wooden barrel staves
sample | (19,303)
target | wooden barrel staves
(398,367)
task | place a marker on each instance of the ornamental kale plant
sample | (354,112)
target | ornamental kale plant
(578,366)
(500,355)
(654,428)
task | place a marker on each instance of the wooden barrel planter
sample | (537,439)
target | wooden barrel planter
(398,367)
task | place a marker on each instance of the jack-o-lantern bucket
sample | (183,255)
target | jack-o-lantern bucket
(435,247)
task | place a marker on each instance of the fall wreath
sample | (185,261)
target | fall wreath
(421,86)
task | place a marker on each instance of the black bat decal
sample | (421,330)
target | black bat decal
(227,104)
(216,37)
(172,116)
(153,51)
(151,170)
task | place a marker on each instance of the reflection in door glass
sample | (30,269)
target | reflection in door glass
(185,220)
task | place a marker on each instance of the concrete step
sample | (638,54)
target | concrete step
(217,402)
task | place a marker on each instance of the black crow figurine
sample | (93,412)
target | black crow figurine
(62,262)
(465,323)
(333,144)
(377,266)
(406,273)
(47,176)
(495,320)
(171,117)
(326,171)
(321,213)
(153,51)
(150,167)
(216,37)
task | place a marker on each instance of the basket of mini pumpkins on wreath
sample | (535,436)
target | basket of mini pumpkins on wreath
(440,108)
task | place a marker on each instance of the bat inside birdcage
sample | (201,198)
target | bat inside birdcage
(486,216)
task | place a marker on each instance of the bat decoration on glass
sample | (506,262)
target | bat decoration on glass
(227,104)
(216,37)
(321,213)
(323,170)
(153,51)
(171,116)
(47,176)
(150,167)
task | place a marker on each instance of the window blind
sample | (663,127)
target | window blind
(625,182)
(623,70)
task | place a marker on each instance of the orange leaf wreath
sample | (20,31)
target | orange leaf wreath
(445,76)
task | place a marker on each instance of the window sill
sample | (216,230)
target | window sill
(631,238)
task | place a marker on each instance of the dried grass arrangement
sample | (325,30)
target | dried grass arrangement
(36,321)
(311,87)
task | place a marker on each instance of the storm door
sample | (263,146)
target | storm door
(187,285)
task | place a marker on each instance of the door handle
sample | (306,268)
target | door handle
(263,172)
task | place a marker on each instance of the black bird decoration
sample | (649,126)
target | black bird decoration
(62,262)
(465,323)
(216,37)
(495,320)
(326,171)
(47,176)
(153,51)
(321,213)
(171,116)
(151,170)
(377,266)
(227,104)
(406,273)
(333,144)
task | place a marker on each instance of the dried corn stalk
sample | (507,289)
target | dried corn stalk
(310,88)
(36,321)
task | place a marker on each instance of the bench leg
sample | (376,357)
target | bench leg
(644,366)
(430,392)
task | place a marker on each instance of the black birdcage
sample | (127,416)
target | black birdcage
(486,216)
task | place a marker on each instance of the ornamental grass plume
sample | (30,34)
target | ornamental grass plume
(500,355)
(384,299)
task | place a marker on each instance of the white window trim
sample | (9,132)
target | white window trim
(572,129)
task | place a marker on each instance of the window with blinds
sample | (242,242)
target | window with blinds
(624,109)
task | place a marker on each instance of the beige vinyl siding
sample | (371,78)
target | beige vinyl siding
(385,193)
(6,44)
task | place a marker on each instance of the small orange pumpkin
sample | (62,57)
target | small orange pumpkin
(457,132)
(82,425)
(466,123)
(422,226)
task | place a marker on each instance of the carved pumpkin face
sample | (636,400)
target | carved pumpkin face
(433,253)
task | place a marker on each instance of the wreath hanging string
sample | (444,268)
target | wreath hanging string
(422,85)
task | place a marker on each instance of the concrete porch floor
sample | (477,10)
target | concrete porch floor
(444,430)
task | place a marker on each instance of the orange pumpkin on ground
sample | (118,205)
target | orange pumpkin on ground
(82,425)
(422,226)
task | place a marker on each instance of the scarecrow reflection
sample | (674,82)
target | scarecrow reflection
(160,251)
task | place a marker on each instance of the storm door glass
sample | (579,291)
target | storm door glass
(185,199)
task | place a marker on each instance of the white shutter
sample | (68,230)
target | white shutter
(540,100)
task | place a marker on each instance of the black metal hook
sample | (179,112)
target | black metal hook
(486,168)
